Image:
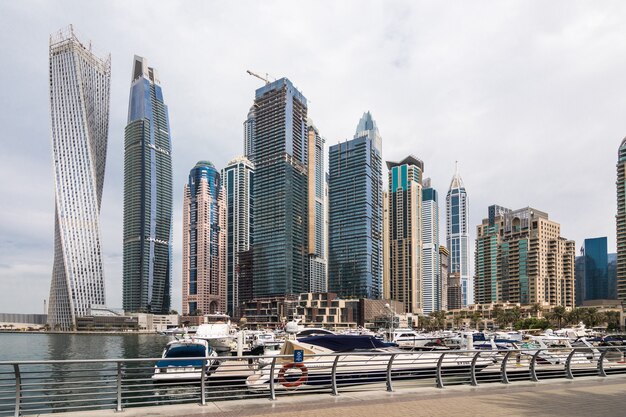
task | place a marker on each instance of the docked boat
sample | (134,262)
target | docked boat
(362,359)
(174,368)
(218,332)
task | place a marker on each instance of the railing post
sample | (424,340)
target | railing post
(333,376)
(438,374)
(389,383)
(18,390)
(272,387)
(568,365)
(504,378)
(533,364)
(601,370)
(119,387)
(203,384)
(473,381)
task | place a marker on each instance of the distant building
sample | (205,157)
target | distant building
(455,299)
(237,177)
(327,310)
(148,198)
(431,272)
(79,114)
(457,236)
(355,264)
(281,261)
(405,233)
(204,242)
(386,247)
(444,256)
(593,281)
(522,258)
(620,219)
(248,135)
(316,211)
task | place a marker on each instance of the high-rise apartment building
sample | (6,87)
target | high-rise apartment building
(457,236)
(621,221)
(79,113)
(248,135)
(444,256)
(317,211)
(204,241)
(521,258)
(386,247)
(405,233)
(431,273)
(280,262)
(147,195)
(238,177)
(355,206)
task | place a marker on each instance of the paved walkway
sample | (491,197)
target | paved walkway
(591,396)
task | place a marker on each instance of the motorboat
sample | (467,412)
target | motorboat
(172,366)
(218,332)
(410,339)
(362,359)
(553,350)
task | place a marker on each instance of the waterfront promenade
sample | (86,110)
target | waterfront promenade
(587,396)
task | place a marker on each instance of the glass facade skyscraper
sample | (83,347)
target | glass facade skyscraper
(147,195)
(317,211)
(595,273)
(355,213)
(204,241)
(620,219)
(431,271)
(280,261)
(457,237)
(79,113)
(238,177)
(406,233)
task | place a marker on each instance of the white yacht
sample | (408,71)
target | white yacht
(363,359)
(218,331)
(173,368)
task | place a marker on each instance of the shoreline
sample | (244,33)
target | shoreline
(101,332)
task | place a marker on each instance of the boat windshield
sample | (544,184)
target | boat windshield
(186,351)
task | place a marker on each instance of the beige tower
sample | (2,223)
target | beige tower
(204,242)
(404,231)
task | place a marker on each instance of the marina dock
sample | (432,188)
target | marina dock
(585,396)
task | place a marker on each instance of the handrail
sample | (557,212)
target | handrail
(42,386)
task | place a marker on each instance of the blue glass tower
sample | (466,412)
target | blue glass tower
(595,270)
(280,250)
(147,196)
(457,237)
(355,214)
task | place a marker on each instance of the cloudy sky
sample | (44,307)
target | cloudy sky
(528,96)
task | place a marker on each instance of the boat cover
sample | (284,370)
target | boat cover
(345,343)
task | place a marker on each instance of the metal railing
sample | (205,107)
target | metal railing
(32,387)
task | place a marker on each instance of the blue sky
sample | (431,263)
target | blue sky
(528,96)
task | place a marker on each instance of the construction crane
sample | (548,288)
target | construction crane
(254,74)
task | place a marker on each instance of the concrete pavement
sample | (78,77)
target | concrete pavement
(587,396)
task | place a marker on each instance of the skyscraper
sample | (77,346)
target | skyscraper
(457,236)
(248,135)
(443,267)
(280,262)
(405,233)
(621,221)
(355,213)
(238,178)
(204,241)
(522,258)
(317,211)
(431,272)
(79,114)
(147,195)
(594,279)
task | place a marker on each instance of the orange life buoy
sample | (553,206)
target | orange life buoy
(304,375)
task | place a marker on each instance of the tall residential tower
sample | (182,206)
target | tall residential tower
(280,261)
(405,233)
(431,271)
(355,210)
(457,237)
(204,241)
(317,211)
(237,177)
(147,195)
(621,221)
(79,113)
